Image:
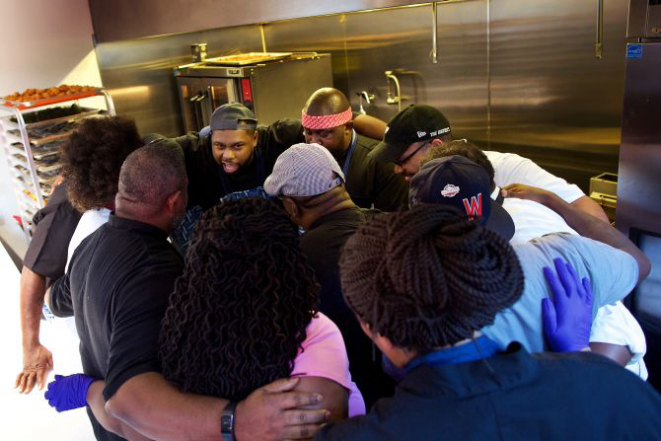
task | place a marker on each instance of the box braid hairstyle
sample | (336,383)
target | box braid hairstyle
(239,312)
(427,277)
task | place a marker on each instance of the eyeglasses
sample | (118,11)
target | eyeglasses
(401,162)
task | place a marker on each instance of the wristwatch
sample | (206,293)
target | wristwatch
(227,421)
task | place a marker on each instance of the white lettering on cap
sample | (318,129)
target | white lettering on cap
(421,134)
(450,191)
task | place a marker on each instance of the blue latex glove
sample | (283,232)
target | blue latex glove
(66,393)
(568,317)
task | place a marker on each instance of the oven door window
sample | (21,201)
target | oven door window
(219,91)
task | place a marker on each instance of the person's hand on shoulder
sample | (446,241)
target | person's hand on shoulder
(275,412)
(567,318)
(523,191)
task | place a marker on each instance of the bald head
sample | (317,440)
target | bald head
(327,121)
(149,177)
(326,101)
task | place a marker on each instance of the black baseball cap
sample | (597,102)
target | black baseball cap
(461,183)
(416,123)
(233,116)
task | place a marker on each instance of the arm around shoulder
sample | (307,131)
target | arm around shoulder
(589,206)
(369,126)
(584,224)
(154,407)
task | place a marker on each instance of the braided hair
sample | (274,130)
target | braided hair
(238,314)
(427,277)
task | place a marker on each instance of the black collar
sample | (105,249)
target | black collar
(123,223)
(503,370)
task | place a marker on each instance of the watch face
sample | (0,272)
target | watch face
(226,423)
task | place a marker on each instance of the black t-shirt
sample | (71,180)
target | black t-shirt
(371,183)
(53,227)
(207,182)
(118,284)
(322,244)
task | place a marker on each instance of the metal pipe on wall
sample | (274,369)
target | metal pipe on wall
(434,33)
(599,44)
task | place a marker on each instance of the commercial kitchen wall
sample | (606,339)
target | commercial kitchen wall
(513,75)
(44,43)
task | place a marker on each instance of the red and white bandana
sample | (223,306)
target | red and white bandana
(321,122)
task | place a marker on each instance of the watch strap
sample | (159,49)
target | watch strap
(227,421)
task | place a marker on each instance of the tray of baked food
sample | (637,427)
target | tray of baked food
(248,58)
(31,98)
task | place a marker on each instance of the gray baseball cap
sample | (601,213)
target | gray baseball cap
(233,116)
(304,170)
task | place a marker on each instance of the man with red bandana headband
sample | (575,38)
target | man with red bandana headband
(234,155)
(327,121)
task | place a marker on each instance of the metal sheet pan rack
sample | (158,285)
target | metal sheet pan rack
(31,135)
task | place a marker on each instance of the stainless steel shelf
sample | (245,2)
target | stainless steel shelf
(34,159)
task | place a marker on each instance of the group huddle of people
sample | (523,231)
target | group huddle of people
(332,277)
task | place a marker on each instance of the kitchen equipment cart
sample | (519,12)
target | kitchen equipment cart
(31,136)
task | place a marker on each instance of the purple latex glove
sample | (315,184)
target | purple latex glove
(66,393)
(568,317)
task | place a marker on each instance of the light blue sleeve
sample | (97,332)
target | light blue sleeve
(613,272)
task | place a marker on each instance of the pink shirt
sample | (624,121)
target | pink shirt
(324,355)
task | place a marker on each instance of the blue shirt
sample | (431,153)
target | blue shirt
(481,347)
(613,274)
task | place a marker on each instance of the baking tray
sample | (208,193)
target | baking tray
(20,180)
(42,176)
(248,58)
(38,152)
(39,142)
(46,131)
(85,112)
(22,105)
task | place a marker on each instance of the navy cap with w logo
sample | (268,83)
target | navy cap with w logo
(461,183)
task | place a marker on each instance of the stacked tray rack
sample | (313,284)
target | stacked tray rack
(31,140)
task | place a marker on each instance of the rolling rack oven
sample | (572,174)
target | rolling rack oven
(274,85)
(31,136)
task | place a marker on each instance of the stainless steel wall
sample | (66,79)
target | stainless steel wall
(551,99)
(513,75)
(128,19)
(139,73)
(365,45)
